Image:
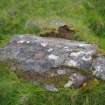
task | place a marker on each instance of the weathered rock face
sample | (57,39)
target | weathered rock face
(99,67)
(41,54)
(52,61)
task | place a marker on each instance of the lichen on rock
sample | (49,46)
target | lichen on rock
(52,61)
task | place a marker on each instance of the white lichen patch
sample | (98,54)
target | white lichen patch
(44,44)
(50,49)
(20,41)
(67,48)
(53,57)
(97,70)
(27,42)
(61,72)
(76,54)
(86,58)
(68,84)
(83,45)
(72,63)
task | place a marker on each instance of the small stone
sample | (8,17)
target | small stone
(61,72)
(68,84)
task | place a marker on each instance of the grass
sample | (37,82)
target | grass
(33,17)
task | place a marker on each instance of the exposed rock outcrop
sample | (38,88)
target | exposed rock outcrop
(53,62)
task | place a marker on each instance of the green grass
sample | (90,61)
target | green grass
(17,17)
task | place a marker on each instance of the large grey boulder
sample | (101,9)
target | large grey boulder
(41,54)
(52,60)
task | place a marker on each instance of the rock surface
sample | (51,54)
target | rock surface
(99,67)
(53,62)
